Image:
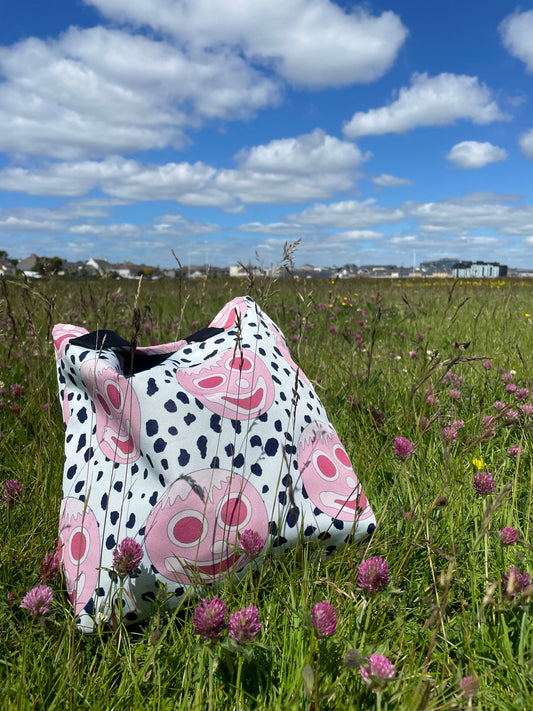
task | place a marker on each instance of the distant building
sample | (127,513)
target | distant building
(7,268)
(479,270)
(125,270)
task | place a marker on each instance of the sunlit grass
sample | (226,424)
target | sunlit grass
(387,359)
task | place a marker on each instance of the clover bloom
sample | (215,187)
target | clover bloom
(50,567)
(484,483)
(514,582)
(373,574)
(17,390)
(469,686)
(515,451)
(449,435)
(209,619)
(324,618)
(379,673)
(508,536)
(244,625)
(127,557)
(12,491)
(251,543)
(403,448)
(38,601)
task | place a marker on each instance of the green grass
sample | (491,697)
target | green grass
(443,615)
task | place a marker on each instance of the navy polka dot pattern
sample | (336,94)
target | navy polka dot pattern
(209,438)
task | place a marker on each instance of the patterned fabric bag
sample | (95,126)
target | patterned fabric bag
(182,447)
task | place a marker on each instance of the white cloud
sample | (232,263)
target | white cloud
(454,244)
(429,101)
(16,224)
(506,215)
(116,176)
(411,241)
(473,154)
(107,230)
(475,211)
(348,214)
(516,31)
(477,241)
(313,43)
(313,152)
(359,235)
(274,228)
(97,92)
(390,181)
(526,144)
(308,167)
(174,224)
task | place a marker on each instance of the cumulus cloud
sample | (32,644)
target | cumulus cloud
(96,92)
(390,181)
(359,235)
(175,224)
(429,101)
(313,43)
(312,152)
(123,230)
(116,176)
(347,214)
(526,144)
(473,154)
(274,228)
(516,32)
(308,167)
(505,214)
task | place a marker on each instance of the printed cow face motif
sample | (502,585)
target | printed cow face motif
(118,415)
(227,317)
(327,474)
(192,534)
(237,385)
(63,333)
(78,548)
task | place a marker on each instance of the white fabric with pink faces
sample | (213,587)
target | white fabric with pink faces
(182,447)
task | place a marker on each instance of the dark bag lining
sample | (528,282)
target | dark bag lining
(132,360)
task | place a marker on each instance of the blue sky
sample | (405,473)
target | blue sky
(382,132)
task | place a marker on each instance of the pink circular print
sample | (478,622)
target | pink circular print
(192,534)
(118,413)
(237,384)
(327,474)
(63,333)
(227,317)
(79,550)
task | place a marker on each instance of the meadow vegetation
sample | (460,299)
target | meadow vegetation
(447,366)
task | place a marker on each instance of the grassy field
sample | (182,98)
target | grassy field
(447,365)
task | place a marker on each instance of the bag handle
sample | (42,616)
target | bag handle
(106,340)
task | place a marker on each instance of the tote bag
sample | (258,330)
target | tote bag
(184,446)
